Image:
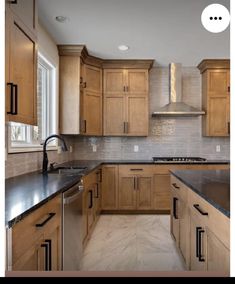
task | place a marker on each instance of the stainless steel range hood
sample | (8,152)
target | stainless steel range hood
(176,107)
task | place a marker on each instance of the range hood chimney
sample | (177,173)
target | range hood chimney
(176,107)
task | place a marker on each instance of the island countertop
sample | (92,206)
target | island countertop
(212,185)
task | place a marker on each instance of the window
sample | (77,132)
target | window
(24,137)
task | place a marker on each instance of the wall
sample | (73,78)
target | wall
(20,163)
(167,137)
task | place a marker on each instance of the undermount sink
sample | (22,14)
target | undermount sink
(67,170)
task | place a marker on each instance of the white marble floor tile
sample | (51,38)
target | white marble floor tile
(132,243)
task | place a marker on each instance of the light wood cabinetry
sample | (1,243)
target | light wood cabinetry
(91,101)
(91,204)
(21,62)
(135,191)
(126,102)
(215,97)
(109,193)
(201,231)
(80,92)
(36,240)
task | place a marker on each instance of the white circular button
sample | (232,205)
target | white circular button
(215,18)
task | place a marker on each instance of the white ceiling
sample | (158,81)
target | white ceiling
(164,30)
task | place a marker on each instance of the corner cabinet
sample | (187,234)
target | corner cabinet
(21,61)
(215,97)
(126,101)
(80,91)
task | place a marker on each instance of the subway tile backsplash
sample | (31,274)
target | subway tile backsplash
(179,136)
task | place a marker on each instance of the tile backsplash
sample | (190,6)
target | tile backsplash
(179,136)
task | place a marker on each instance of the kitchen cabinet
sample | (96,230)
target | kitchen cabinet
(135,191)
(21,63)
(126,102)
(91,100)
(109,193)
(161,190)
(36,240)
(91,205)
(215,97)
(26,13)
(200,230)
(80,92)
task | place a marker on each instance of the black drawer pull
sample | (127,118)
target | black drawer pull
(200,257)
(50,215)
(196,206)
(175,185)
(49,254)
(174,207)
(97,190)
(91,199)
(136,169)
(13,2)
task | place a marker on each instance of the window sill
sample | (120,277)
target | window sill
(18,150)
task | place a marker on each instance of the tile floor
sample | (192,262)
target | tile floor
(132,243)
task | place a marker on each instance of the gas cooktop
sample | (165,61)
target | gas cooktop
(178,159)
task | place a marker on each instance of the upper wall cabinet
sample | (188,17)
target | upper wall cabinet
(26,12)
(215,97)
(21,62)
(80,91)
(91,100)
(126,101)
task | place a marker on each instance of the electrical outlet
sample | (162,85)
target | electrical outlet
(94,148)
(217,148)
(136,148)
(70,149)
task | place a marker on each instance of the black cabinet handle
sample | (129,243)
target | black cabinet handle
(136,169)
(11,98)
(200,257)
(50,215)
(91,199)
(14,99)
(229,89)
(49,254)
(84,126)
(84,85)
(13,2)
(175,185)
(175,199)
(228,127)
(197,245)
(45,246)
(196,206)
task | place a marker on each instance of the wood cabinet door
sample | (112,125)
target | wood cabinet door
(218,116)
(184,230)
(218,256)
(144,192)
(109,193)
(114,81)
(22,85)
(97,200)
(26,12)
(90,208)
(137,82)
(127,192)
(161,192)
(92,113)
(197,245)
(218,83)
(137,115)
(114,115)
(92,78)
(32,260)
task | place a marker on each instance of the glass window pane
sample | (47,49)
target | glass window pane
(18,132)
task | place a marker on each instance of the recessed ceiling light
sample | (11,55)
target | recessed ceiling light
(61,19)
(123,47)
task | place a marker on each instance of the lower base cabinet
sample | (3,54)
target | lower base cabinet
(36,240)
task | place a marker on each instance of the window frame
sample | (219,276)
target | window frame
(50,109)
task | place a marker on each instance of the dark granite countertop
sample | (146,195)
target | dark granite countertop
(27,192)
(212,185)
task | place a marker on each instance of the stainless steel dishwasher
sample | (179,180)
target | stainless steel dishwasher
(72,227)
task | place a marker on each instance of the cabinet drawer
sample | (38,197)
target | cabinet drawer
(180,189)
(217,222)
(26,233)
(135,169)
